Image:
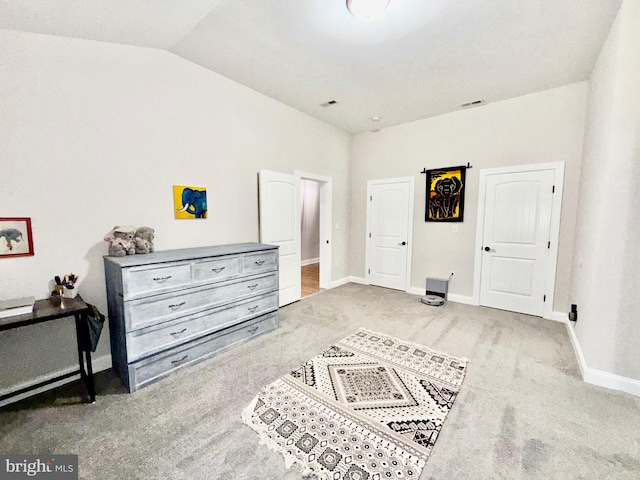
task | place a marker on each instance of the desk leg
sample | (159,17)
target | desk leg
(90,385)
(84,345)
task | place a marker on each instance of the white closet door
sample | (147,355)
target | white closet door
(516,240)
(389,236)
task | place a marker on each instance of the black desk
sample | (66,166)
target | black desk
(45,311)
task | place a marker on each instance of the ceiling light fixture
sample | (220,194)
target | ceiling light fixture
(367,9)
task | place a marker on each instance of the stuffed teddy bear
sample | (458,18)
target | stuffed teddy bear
(144,240)
(121,241)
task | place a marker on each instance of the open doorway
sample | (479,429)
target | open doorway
(315,238)
(310,237)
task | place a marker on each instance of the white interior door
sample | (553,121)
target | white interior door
(280,225)
(516,240)
(389,217)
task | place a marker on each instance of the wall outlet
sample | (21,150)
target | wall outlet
(573,314)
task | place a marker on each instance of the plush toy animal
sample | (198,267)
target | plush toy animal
(121,241)
(144,240)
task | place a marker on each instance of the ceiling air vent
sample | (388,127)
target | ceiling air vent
(475,103)
(328,104)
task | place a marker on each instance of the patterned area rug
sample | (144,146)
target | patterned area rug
(370,407)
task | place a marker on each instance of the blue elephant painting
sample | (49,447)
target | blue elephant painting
(15,237)
(11,235)
(190,202)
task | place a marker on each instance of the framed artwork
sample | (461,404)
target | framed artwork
(189,202)
(15,237)
(445,194)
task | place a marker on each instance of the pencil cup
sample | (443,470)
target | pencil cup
(70,292)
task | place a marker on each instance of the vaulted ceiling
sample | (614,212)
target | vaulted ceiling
(422,58)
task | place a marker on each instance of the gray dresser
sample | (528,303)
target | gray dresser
(173,308)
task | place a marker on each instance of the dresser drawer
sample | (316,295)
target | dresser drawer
(259,262)
(147,341)
(153,310)
(142,280)
(216,269)
(154,368)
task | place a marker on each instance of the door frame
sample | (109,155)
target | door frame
(326,210)
(554,227)
(371,183)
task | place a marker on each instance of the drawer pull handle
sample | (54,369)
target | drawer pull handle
(218,270)
(259,262)
(162,279)
(177,305)
(252,287)
(253,309)
(180,360)
(177,334)
(253,330)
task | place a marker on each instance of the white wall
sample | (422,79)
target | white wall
(605,277)
(96,134)
(537,128)
(310,239)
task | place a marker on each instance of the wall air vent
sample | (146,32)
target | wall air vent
(475,103)
(328,104)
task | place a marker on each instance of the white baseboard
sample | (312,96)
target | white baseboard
(310,261)
(582,364)
(598,377)
(452,297)
(99,364)
(557,317)
(345,280)
(416,291)
(612,381)
(339,283)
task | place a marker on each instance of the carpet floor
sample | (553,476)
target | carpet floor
(524,412)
